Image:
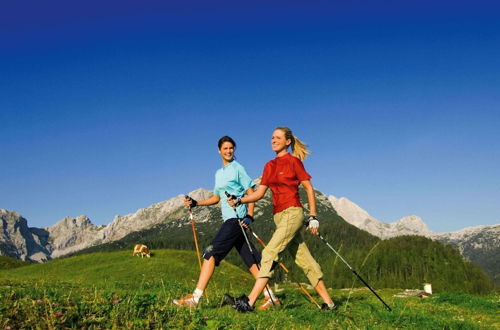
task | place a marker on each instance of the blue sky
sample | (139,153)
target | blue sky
(106,108)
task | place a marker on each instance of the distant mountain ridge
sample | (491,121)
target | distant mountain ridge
(394,262)
(480,244)
(69,235)
(355,215)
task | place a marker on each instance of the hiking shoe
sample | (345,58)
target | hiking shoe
(268,303)
(242,304)
(325,307)
(187,301)
(229,300)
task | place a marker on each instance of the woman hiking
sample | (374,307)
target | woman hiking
(283,176)
(232,178)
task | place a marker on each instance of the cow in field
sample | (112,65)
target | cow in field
(142,250)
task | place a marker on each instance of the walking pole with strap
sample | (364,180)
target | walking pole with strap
(286,270)
(195,237)
(194,232)
(355,273)
(249,246)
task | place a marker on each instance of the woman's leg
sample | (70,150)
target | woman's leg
(254,270)
(258,287)
(284,233)
(207,270)
(221,245)
(303,258)
(252,259)
(323,293)
(310,266)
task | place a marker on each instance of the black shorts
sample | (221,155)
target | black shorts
(229,236)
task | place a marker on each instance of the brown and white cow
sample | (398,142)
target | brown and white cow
(142,250)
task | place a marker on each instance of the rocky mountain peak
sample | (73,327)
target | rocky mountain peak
(355,215)
(412,224)
(350,211)
(19,241)
(81,221)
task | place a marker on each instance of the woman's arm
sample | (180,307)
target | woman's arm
(253,197)
(310,197)
(312,206)
(209,201)
(250,205)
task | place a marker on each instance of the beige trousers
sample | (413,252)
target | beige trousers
(289,222)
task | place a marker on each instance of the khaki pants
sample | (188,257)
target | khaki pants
(289,222)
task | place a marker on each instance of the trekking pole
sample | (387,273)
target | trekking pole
(195,237)
(194,233)
(286,270)
(249,246)
(355,273)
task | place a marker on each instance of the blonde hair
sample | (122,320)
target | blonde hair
(299,148)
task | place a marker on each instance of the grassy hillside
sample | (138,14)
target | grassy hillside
(7,263)
(116,290)
(399,262)
(116,270)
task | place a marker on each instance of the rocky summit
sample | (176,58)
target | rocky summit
(19,241)
(355,215)
(480,244)
(73,234)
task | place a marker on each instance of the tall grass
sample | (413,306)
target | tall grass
(116,290)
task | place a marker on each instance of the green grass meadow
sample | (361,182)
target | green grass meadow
(117,290)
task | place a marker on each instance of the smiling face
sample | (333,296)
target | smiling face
(226,151)
(279,142)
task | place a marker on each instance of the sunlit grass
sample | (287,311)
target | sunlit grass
(116,290)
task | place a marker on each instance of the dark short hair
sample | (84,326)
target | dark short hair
(226,138)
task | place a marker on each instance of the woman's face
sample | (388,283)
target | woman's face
(227,151)
(279,142)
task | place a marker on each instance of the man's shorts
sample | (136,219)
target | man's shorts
(229,236)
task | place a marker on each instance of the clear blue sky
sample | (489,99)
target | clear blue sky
(110,106)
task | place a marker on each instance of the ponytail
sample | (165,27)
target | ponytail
(299,148)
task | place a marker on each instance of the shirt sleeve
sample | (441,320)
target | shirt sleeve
(244,179)
(300,171)
(216,190)
(265,175)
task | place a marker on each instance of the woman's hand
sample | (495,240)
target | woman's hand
(232,200)
(313,225)
(247,221)
(189,202)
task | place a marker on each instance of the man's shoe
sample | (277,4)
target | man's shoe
(229,300)
(325,306)
(242,304)
(268,303)
(187,301)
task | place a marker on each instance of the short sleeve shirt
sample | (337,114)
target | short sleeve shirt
(234,179)
(283,176)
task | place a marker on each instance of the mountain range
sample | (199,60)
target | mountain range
(71,235)
(480,244)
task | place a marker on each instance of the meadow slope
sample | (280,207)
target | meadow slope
(114,289)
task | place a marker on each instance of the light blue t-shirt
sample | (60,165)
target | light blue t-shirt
(234,179)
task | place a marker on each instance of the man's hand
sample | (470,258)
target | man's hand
(313,225)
